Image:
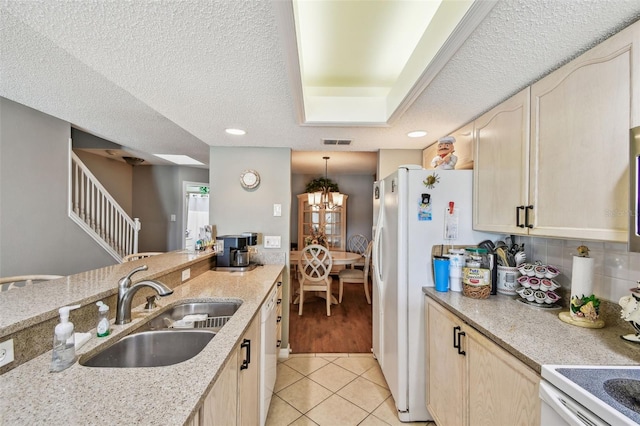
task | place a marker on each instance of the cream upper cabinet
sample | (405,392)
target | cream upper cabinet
(557,165)
(501,166)
(471,380)
(334,222)
(580,121)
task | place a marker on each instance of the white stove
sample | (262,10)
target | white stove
(590,395)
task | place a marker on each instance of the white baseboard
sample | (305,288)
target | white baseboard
(284,352)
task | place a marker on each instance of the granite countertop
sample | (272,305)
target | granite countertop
(24,307)
(158,395)
(537,336)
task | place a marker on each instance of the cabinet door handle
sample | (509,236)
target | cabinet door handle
(456,342)
(526,216)
(246,343)
(518,224)
(279,319)
(461,352)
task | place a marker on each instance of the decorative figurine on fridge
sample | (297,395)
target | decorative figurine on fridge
(445,159)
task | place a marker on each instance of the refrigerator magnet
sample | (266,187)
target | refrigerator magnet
(424,208)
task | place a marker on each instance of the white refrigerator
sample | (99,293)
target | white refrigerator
(413,204)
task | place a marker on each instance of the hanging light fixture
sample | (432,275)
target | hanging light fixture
(326,198)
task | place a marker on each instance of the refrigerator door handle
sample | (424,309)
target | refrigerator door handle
(377,265)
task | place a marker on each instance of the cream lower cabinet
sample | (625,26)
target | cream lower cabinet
(471,380)
(234,398)
(249,376)
(221,405)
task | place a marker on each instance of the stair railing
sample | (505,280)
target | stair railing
(93,209)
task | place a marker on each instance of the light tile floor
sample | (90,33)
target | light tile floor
(332,389)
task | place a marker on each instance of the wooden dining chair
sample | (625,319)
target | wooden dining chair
(136,256)
(357,276)
(314,268)
(358,244)
(8,283)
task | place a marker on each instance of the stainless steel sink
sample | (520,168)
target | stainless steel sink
(155,344)
(152,349)
(221,310)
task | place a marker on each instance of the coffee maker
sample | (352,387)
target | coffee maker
(235,253)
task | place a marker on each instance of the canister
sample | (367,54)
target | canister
(457,260)
(476,275)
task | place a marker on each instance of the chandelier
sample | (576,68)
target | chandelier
(326,198)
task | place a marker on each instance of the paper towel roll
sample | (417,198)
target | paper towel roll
(582,276)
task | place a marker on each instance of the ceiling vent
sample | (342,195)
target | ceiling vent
(336,141)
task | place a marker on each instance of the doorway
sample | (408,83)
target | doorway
(195,212)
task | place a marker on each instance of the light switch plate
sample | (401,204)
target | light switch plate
(271,241)
(277,209)
(186,274)
(6,352)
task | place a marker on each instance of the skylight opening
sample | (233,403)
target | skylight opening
(183,160)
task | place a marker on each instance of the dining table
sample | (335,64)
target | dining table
(337,256)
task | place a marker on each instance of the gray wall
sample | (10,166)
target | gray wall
(359,188)
(157,194)
(36,235)
(234,209)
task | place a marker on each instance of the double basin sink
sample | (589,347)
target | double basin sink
(157,344)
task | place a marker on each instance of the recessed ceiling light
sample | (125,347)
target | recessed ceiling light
(238,132)
(417,134)
(180,159)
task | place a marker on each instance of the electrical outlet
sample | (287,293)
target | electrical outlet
(6,352)
(271,241)
(186,274)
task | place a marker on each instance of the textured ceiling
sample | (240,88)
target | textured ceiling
(168,77)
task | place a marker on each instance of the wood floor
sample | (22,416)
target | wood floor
(347,330)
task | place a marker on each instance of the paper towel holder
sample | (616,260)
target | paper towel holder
(583,304)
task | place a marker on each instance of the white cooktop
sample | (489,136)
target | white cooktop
(593,387)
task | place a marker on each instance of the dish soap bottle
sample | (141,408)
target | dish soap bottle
(64,351)
(102,330)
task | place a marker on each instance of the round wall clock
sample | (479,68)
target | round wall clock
(249,179)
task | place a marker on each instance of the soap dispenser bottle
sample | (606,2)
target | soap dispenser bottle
(102,329)
(64,351)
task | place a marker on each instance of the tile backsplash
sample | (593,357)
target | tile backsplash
(616,269)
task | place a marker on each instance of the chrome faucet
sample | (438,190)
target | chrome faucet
(126,291)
